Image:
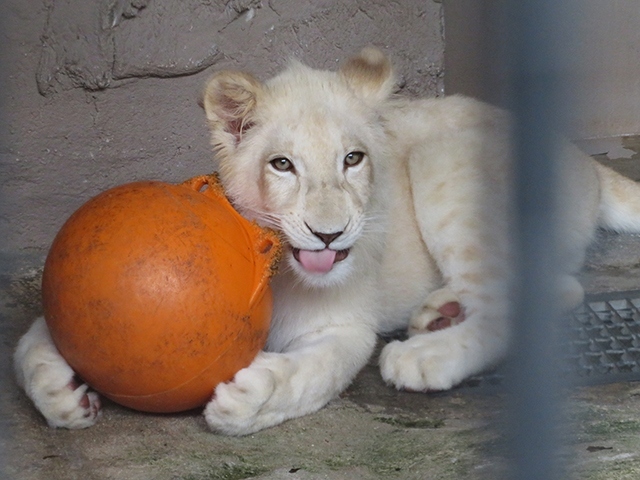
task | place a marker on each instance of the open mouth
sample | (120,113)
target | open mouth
(319,261)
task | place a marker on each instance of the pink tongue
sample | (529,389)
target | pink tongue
(317,261)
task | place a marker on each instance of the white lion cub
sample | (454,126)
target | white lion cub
(395,214)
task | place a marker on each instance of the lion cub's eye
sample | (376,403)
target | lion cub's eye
(353,158)
(282,164)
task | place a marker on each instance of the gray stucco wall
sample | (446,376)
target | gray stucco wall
(98,93)
(601,70)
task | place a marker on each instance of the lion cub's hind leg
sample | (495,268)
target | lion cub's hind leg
(442,309)
(459,188)
(50,382)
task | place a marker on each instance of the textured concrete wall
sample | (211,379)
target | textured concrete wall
(607,74)
(98,93)
(601,70)
(475,50)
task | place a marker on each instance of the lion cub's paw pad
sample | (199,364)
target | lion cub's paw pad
(441,310)
(450,314)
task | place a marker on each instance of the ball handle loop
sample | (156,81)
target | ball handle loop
(269,250)
(266,241)
(212,182)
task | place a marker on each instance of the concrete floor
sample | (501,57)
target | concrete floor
(370,432)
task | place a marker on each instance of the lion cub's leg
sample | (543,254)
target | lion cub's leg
(277,386)
(50,382)
(459,192)
(442,309)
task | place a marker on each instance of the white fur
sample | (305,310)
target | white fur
(427,212)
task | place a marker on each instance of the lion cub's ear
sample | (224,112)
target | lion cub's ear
(370,74)
(229,101)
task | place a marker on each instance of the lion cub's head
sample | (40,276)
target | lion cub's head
(303,153)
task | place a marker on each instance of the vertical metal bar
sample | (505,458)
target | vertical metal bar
(534,33)
(5,382)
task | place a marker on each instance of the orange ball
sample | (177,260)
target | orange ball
(155,293)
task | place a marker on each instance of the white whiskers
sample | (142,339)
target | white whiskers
(261,217)
(374,224)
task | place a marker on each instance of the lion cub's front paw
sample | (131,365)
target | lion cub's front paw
(236,406)
(246,404)
(423,363)
(442,309)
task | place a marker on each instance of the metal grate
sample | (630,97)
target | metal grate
(602,342)
(604,336)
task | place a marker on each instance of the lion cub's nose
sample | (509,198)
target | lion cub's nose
(327,238)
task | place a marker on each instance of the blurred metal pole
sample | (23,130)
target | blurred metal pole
(535,34)
(5,382)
